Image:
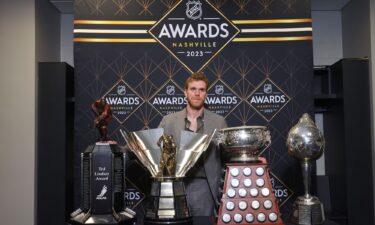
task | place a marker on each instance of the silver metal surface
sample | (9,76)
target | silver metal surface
(166,213)
(231,193)
(247,182)
(166,189)
(192,146)
(308,211)
(260,182)
(234,182)
(242,192)
(230,206)
(247,171)
(226,218)
(166,203)
(305,141)
(249,218)
(272,217)
(242,205)
(242,144)
(234,172)
(265,192)
(267,204)
(237,218)
(261,217)
(253,192)
(259,171)
(255,204)
(144,145)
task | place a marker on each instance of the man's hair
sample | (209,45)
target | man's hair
(196,77)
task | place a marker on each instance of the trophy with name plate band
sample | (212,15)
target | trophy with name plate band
(103,177)
(306,143)
(247,192)
(167,162)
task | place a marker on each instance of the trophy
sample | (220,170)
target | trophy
(247,192)
(167,162)
(103,178)
(306,143)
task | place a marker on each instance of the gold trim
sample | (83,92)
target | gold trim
(138,189)
(213,56)
(256,110)
(291,190)
(303,38)
(116,40)
(305,20)
(114,22)
(134,91)
(152,22)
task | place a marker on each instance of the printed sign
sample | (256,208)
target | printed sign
(123,100)
(194,32)
(268,99)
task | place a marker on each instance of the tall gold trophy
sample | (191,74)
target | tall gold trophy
(306,143)
(167,162)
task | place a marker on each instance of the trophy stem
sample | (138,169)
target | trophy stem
(306,171)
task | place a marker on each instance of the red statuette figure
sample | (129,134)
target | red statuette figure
(103,115)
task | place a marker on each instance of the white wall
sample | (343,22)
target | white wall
(327,37)
(67,38)
(47,28)
(17,114)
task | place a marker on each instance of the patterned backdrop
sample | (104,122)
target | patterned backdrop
(260,73)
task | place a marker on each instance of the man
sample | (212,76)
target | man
(203,180)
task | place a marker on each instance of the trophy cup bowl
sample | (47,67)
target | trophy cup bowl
(306,143)
(167,200)
(242,144)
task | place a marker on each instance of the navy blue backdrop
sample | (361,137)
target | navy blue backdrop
(137,54)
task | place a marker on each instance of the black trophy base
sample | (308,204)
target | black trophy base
(126,217)
(185,221)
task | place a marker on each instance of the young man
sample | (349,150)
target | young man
(203,180)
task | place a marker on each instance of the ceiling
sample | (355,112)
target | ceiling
(66,6)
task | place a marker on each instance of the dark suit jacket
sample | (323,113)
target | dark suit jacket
(174,123)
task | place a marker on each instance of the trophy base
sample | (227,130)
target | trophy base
(126,217)
(186,221)
(307,211)
(167,202)
(238,202)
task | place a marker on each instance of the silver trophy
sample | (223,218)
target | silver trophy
(168,162)
(306,143)
(242,144)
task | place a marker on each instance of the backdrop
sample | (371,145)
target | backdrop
(137,54)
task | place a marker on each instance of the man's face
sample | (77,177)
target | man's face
(196,93)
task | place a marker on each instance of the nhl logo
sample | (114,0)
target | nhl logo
(121,90)
(219,89)
(194,9)
(170,90)
(267,88)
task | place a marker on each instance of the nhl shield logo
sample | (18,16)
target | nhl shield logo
(219,89)
(170,90)
(267,88)
(194,9)
(121,90)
